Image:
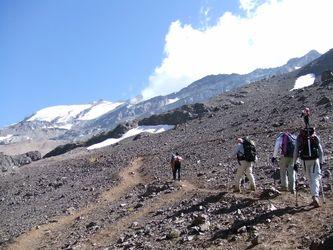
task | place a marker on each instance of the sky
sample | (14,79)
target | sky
(61,52)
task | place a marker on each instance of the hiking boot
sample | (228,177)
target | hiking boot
(283,189)
(315,201)
(253,188)
(292,191)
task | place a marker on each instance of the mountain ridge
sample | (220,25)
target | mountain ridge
(198,91)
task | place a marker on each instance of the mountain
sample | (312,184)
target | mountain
(122,196)
(198,91)
(55,125)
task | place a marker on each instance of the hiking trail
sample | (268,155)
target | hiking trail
(32,239)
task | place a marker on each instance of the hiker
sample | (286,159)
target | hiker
(175,165)
(246,156)
(309,149)
(285,145)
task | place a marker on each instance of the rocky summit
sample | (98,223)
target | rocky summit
(123,197)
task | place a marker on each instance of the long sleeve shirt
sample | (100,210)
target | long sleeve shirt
(239,150)
(278,145)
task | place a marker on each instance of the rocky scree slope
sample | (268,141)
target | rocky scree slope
(122,196)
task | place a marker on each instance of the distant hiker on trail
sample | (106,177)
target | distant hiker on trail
(246,156)
(309,149)
(285,145)
(175,165)
(306,116)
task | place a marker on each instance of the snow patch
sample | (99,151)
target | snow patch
(133,132)
(67,126)
(59,114)
(169,101)
(99,109)
(5,138)
(304,81)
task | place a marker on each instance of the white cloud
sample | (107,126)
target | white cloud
(248,5)
(274,32)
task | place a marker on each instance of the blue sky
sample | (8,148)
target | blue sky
(72,52)
(55,52)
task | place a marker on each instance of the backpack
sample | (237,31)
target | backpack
(308,152)
(249,150)
(288,145)
(176,161)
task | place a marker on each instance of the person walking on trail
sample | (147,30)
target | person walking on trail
(285,145)
(176,165)
(246,156)
(309,149)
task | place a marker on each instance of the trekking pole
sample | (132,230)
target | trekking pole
(296,184)
(322,187)
(274,167)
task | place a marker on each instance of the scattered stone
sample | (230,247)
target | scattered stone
(242,230)
(138,205)
(173,234)
(199,219)
(323,100)
(204,227)
(91,225)
(270,193)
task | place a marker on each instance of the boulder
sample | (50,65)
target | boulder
(323,100)
(326,77)
(34,155)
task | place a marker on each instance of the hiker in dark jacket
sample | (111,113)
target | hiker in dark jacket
(311,161)
(245,167)
(176,165)
(285,144)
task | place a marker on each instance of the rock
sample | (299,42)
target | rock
(92,225)
(138,205)
(326,77)
(255,240)
(325,119)
(270,193)
(271,207)
(199,219)
(242,230)
(34,155)
(204,227)
(173,234)
(323,100)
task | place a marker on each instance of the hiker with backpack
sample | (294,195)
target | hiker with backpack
(285,145)
(246,156)
(309,149)
(175,165)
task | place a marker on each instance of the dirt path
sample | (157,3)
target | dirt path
(33,238)
(113,232)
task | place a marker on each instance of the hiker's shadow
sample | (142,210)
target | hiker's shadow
(261,218)
(208,200)
(235,206)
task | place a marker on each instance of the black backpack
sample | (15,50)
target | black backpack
(308,152)
(249,150)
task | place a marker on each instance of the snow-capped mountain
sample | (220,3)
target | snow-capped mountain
(66,116)
(54,122)
(77,122)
